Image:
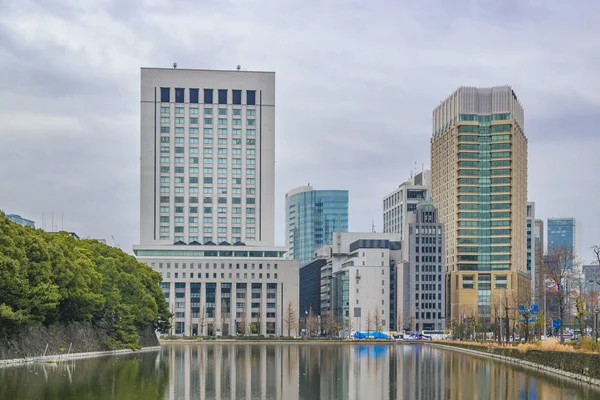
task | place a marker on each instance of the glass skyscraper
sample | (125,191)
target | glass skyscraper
(561,232)
(311,217)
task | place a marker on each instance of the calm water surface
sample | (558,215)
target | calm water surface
(287,371)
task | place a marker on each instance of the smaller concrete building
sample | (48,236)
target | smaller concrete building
(217,289)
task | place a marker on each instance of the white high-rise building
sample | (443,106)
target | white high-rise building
(207,156)
(404,200)
(207,201)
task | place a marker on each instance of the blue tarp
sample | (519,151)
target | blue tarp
(374,335)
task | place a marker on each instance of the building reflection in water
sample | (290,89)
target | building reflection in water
(346,371)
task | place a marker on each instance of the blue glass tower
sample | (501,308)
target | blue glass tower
(561,232)
(311,217)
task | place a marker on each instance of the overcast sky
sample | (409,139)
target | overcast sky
(356,85)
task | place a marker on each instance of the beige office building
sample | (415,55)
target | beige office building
(479,186)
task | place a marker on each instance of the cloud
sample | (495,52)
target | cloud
(356,85)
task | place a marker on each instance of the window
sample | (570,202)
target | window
(179,95)
(251,97)
(236,121)
(251,161)
(223,121)
(165,120)
(193,120)
(237,96)
(164,129)
(236,132)
(237,111)
(222,96)
(165,110)
(250,171)
(251,122)
(208,111)
(208,121)
(165,94)
(208,96)
(250,141)
(251,112)
(179,110)
(193,96)
(250,210)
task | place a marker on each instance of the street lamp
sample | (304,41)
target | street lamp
(305,324)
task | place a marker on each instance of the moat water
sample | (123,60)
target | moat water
(287,371)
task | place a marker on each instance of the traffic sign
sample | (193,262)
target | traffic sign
(556,323)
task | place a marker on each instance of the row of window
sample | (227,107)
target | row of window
(164,169)
(207,111)
(209,140)
(206,220)
(208,121)
(209,180)
(179,130)
(206,239)
(207,229)
(222,96)
(222,275)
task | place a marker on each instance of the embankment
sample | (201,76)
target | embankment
(583,367)
(81,337)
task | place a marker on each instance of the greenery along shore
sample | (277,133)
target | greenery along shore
(55,278)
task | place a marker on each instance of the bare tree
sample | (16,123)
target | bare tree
(256,326)
(202,320)
(348,325)
(290,318)
(243,324)
(224,317)
(312,325)
(377,320)
(369,322)
(581,313)
(330,324)
(398,322)
(558,268)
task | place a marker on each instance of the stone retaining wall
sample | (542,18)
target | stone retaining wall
(580,366)
(83,336)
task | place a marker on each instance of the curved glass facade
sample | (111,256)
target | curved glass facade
(311,217)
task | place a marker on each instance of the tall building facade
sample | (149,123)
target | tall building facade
(311,217)
(422,280)
(402,201)
(207,156)
(562,232)
(207,200)
(538,239)
(479,186)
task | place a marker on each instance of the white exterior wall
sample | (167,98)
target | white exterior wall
(283,272)
(152,79)
(370,287)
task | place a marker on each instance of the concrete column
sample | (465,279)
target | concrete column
(187,329)
(202,329)
(232,310)
(217,319)
(263,309)
(248,309)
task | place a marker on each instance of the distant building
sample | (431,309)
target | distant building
(311,217)
(20,220)
(363,269)
(538,238)
(531,246)
(402,201)
(422,280)
(562,232)
(310,287)
(591,274)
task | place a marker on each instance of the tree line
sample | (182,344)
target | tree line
(50,278)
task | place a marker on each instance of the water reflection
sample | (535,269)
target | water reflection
(286,371)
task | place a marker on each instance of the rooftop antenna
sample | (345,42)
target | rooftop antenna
(238,67)
(174,65)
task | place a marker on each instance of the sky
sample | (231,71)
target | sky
(356,84)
